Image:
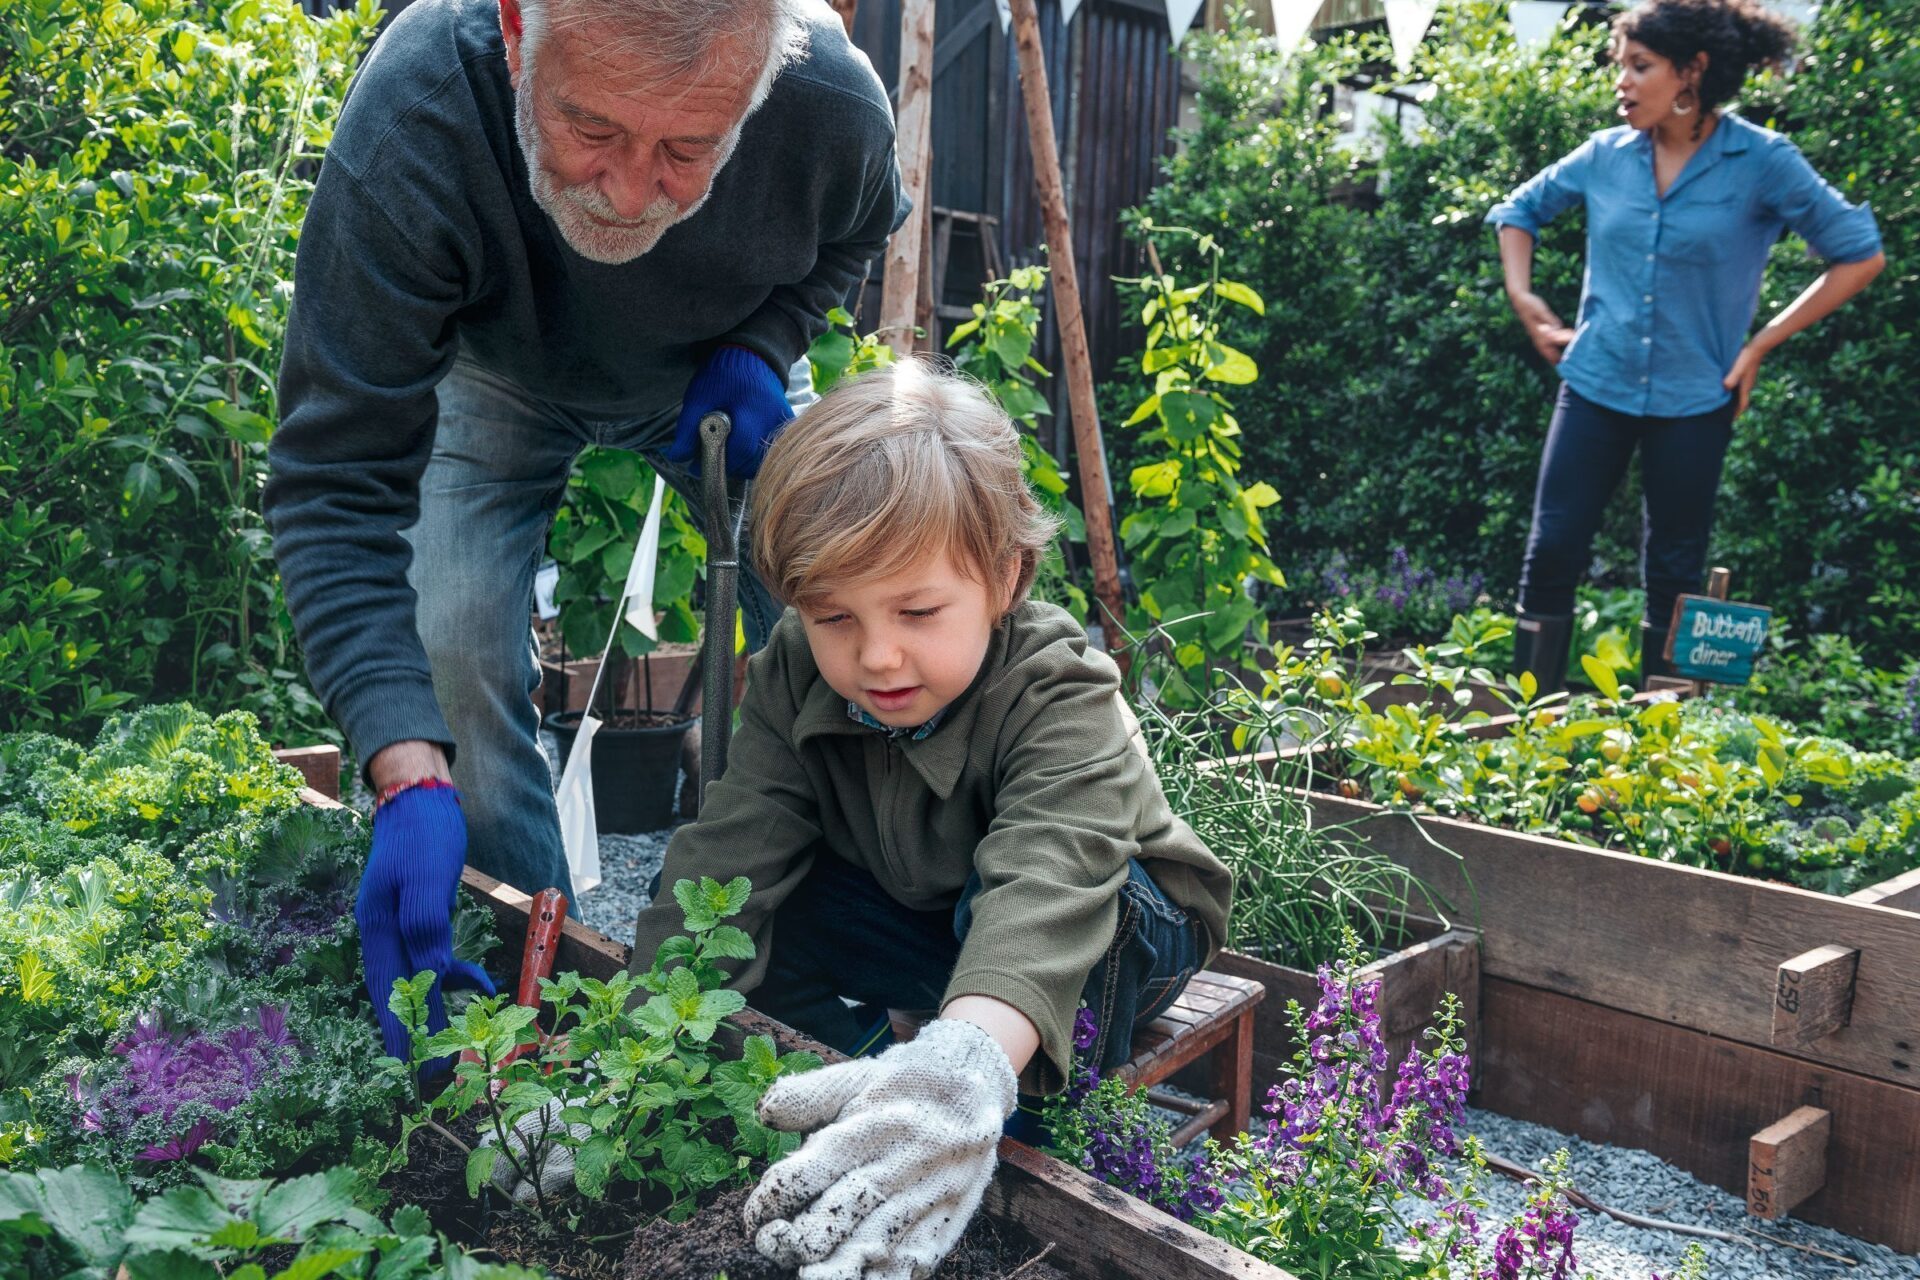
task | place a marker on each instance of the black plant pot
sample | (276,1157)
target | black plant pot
(635,771)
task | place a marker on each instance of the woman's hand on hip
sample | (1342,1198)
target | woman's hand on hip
(1740,378)
(1544,329)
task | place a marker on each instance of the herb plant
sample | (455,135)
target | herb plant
(639,1092)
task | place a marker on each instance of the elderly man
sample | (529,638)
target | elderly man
(540,225)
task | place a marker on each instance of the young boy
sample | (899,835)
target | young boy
(939,797)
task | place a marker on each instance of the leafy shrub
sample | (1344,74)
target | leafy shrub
(1400,402)
(1194,529)
(1825,685)
(153,176)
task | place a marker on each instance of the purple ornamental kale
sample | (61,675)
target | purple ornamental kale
(164,1072)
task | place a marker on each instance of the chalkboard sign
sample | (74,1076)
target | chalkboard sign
(1716,640)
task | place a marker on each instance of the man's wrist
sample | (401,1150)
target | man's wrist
(411,760)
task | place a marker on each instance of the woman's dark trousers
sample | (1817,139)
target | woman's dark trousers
(1588,448)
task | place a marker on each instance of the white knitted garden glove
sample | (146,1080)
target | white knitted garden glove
(885,1188)
(555,1163)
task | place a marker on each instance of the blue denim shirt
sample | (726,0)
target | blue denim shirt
(1672,282)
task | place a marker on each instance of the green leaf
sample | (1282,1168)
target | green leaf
(1602,676)
(480,1167)
(729,943)
(84,1205)
(179,1219)
(240,1233)
(292,1209)
(1147,408)
(1187,414)
(324,1262)
(1225,364)
(1234,291)
(593,1165)
(1156,479)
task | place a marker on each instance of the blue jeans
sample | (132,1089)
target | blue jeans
(1588,448)
(499,467)
(897,958)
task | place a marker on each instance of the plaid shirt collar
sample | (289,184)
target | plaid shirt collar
(858,716)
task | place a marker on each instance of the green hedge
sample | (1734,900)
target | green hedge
(154,162)
(1399,403)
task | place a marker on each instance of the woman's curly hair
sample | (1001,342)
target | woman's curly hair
(1736,35)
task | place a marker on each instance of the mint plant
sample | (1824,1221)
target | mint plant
(631,1084)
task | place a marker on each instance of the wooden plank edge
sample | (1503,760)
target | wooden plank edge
(1787,1162)
(1902,892)
(1695,1100)
(1039,1199)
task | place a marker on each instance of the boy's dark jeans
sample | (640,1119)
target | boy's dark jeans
(841,934)
(1587,451)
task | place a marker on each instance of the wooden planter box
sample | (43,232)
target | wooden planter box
(564,686)
(1098,1233)
(1685,1012)
(1412,982)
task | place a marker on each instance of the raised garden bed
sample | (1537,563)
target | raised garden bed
(1087,1230)
(1437,960)
(1640,1003)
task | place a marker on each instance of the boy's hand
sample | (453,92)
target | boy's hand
(885,1188)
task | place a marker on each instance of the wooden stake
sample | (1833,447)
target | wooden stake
(1074,356)
(913,134)
(1813,995)
(1787,1162)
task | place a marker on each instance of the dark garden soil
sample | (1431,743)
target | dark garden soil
(716,1241)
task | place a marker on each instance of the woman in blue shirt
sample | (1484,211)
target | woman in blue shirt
(1684,202)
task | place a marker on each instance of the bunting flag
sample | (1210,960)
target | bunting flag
(1006,15)
(1292,19)
(1407,23)
(1535,21)
(1180,15)
(1067,9)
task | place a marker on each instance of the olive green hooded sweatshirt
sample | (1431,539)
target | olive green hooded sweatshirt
(1034,778)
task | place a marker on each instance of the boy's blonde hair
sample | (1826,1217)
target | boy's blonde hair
(903,460)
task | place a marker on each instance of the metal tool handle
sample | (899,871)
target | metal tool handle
(723,569)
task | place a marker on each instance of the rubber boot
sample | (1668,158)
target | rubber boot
(1540,645)
(1653,654)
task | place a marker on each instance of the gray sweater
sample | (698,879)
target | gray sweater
(423,242)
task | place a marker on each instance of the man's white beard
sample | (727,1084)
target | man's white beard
(570,207)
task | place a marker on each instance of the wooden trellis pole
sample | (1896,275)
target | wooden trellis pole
(1087,443)
(913,138)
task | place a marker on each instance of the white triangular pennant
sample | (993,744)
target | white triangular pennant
(579,829)
(1180,15)
(646,560)
(1407,23)
(1006,14)
(1067,9)
(1292,19)
(1535,21)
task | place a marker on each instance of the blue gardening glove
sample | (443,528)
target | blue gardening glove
(405,907)
(743,385)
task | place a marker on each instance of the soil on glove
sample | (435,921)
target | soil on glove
(715,1242)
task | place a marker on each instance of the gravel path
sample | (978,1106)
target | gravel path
(627,866)
(1636,1182)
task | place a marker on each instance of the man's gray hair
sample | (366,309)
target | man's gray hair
(671,37)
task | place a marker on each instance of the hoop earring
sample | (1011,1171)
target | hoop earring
(1688,109)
